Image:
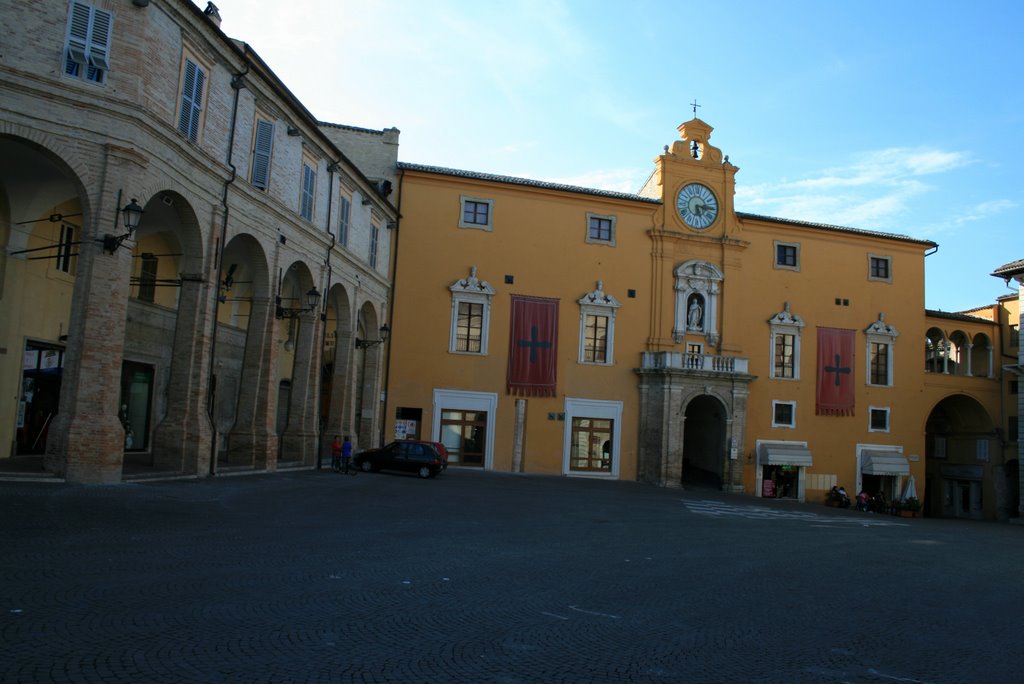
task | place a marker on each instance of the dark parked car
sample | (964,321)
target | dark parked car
(422,458)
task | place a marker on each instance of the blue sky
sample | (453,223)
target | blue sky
(903,116)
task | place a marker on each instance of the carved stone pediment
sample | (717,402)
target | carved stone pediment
(472,285)
(786,317)
(880,327)
(599,298)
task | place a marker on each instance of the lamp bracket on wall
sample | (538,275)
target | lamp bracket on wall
(384,331)
(312,299)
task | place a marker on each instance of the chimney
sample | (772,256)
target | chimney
(212,12)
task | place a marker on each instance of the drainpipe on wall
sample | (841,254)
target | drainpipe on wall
(236,84)
(331,168)
(391,311)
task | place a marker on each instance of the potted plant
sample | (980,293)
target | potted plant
(909,507)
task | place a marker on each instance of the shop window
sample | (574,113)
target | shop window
(464,435)
(42,368)
(136,404)
(590,445)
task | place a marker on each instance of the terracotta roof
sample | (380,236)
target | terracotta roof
(512,180)
(423,168)
(836,229)
(1010,269)
(954,316)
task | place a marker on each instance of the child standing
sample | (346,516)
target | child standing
(336,450)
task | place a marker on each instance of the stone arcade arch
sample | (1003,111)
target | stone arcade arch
(43,208)
(164,366)
(337,401)
(243,380)
(966,476)
(299,367)
(368,362)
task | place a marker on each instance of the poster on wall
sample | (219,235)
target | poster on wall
(405,429)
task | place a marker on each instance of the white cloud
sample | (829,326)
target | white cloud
(626,180)
(873,191)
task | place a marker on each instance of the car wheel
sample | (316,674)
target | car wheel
(367,466)
(425,472)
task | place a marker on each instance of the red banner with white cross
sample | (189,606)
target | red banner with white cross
(533,346)
(835,372)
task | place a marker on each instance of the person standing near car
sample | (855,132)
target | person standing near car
(336,450)
(346,453)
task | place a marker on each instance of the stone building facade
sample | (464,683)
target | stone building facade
(237,322)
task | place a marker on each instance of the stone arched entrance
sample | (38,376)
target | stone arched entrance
(704,442)
(966,475)
(696,415)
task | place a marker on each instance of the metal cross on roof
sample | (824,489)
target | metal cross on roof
(694,105)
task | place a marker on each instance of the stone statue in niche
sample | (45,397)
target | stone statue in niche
(695,313)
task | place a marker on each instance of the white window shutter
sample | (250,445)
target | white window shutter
(78,32)
(191,100)
(262,149)
(99,40)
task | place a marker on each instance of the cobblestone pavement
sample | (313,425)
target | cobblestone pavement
(485,577)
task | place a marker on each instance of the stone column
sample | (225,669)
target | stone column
(86,439)
(183,439)
(253,439)
(303,414)
(339,411)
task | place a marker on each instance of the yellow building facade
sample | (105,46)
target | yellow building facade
(694,342)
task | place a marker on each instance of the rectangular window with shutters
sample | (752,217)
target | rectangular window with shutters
(87,44)
(308,189)
(374,243)
(147,278)
(262,147)
(190,112)
(66,248)
(344,217)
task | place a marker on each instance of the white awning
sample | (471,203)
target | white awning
(786,454)
(883,463)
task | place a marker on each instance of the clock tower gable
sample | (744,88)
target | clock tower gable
(696,183)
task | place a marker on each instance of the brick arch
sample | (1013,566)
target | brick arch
(186,228)
(57,150)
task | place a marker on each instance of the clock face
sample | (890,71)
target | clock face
(697,206)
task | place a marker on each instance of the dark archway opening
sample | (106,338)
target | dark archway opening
(704,443)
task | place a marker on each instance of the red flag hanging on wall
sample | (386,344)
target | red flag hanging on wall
(533,346)
(835,372)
